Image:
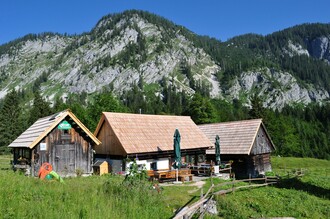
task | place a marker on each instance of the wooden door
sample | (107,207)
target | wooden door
(65,159)
(261,169)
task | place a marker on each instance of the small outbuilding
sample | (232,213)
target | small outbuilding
(100,167)
(61,140)
(246,143)
(148,139)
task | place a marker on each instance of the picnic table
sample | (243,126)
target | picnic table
(168,175)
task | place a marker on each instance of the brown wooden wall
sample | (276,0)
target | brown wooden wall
(262,144)
(110,144)
(244,165)
(67,151)
(261,163)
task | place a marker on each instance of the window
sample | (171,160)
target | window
(201,158)
(153,166)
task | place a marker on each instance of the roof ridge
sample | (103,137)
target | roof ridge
(137,114)
(236,121)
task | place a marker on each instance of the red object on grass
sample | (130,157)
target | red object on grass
(44,170)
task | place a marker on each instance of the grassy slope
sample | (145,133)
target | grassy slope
(106,197)
(87,197)
(305,197)
(90,197)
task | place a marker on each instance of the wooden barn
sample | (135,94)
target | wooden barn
(246,143)
(148,139)
(61,140)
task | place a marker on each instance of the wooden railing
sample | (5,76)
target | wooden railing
(188,211)
(265,181)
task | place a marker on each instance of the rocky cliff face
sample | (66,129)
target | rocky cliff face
(320,48)
(121,51)
(275,88)
(91,62)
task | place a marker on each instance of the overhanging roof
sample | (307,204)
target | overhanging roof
(42,127)
(235,137)
(141,133)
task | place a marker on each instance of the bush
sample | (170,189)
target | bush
(270,173)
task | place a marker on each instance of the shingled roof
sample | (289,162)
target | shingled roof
(42,127)
(141,133)
(235,137)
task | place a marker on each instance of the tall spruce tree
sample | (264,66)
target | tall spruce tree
(257,111)
(10,119)
(40,108)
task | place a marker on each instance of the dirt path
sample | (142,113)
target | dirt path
(198,184)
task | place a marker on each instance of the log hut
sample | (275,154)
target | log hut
(245,143)
(61,140)
(148,139)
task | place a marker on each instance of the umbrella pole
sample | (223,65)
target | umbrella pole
(177,174)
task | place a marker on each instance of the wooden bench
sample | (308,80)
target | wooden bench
(171,175)
(183,173)
(151,175)
(166,175)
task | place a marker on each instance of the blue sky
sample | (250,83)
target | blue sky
(215,18)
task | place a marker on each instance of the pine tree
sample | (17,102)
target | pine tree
(40,108)
(201,110)
(257,110)
(59,105)
(103,102)
(11,124)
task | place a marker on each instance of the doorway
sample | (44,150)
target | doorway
(65,159)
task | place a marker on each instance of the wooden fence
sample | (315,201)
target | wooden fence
(189,211)
(292,172)
(265,181)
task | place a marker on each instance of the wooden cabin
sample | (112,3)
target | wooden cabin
(61,140)
(246,143)
(148,139)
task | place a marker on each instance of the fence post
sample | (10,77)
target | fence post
(249,178)
(232,185)
(201,208)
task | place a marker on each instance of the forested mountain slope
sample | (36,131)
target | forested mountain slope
(136,62)
(134,47)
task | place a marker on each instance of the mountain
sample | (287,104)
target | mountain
(123,50)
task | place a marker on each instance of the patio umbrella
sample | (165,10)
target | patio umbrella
(177,151)
(217,150)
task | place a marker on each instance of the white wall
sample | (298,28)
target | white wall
(162,163)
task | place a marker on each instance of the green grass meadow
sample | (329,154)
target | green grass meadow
(299,197)
(108,197)
(85,197)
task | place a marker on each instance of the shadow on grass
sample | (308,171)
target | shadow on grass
(295,183)
(190,201)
